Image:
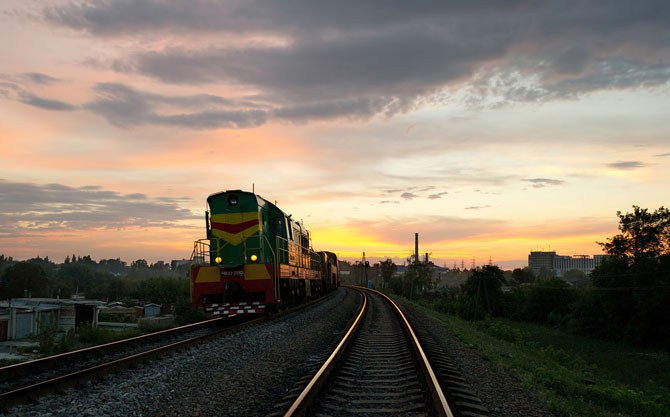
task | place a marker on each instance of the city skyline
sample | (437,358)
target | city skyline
(490,129)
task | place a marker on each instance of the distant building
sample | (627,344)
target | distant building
(558,265)
(152,310)
(176,263)
(539,260)
(24,317)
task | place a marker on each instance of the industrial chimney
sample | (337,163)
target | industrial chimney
(416,247)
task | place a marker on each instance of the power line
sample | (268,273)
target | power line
(659,287)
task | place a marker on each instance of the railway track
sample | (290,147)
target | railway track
(379,368)
(26,382)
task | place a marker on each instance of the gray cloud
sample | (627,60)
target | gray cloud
(543,182)
(124,106)
(408,196)
(27,208)
(359,59)
(437,195)
(14,91)
(39,78)
(45,103)
(477,207)
(627,165)
(662,155)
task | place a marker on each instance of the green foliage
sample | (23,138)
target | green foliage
(94,335)
(523,275)
(151,326)
(643,235)
(139,264)
(573,375)
(548,296)
(116,317)
(24,276)
(388,268)
(633,284)
(68,342)
(163,290)
(417,280)
(483,292)
(82,278)
(47,337)
(185,313)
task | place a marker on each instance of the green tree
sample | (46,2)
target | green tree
(418,277)
(577,278)
(82,277)
(632,286)
(388,268)
(547,296)
(163,290)
(523,276)
(139,264)
(484,289)
(643,235)
(22,277)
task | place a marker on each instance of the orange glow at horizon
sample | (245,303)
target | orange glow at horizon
(351,243)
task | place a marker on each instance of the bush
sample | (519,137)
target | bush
(47,337)
(93,335)
(185,313)
(68,342)
(549,296)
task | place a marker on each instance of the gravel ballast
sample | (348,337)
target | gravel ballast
(499,390)
(244,374)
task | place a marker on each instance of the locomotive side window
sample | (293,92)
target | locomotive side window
(278,228)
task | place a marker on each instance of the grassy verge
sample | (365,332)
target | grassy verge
(572,375)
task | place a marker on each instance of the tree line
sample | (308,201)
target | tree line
(626,297)
(109,279)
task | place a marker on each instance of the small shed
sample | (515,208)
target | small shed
(152,310)
(115,304)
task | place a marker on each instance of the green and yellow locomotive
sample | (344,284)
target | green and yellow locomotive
(255,258)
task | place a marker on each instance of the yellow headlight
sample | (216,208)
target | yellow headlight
(254,258)
(217,259)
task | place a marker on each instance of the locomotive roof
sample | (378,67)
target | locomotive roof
(258,197)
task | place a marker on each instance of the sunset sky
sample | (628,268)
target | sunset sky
(490,128)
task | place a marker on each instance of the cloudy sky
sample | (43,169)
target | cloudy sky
(490,128)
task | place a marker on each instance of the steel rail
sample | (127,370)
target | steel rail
(23,368)
(441,405)
(304,400)
(306,397)
(57,384)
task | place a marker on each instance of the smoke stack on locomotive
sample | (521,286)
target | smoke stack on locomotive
(255,258)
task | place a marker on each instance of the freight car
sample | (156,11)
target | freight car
(255,258)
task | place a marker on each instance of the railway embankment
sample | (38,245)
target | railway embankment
(523,369)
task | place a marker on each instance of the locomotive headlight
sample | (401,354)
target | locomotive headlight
(254,258)
(217,259)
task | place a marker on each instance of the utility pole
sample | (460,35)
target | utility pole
(364,264)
